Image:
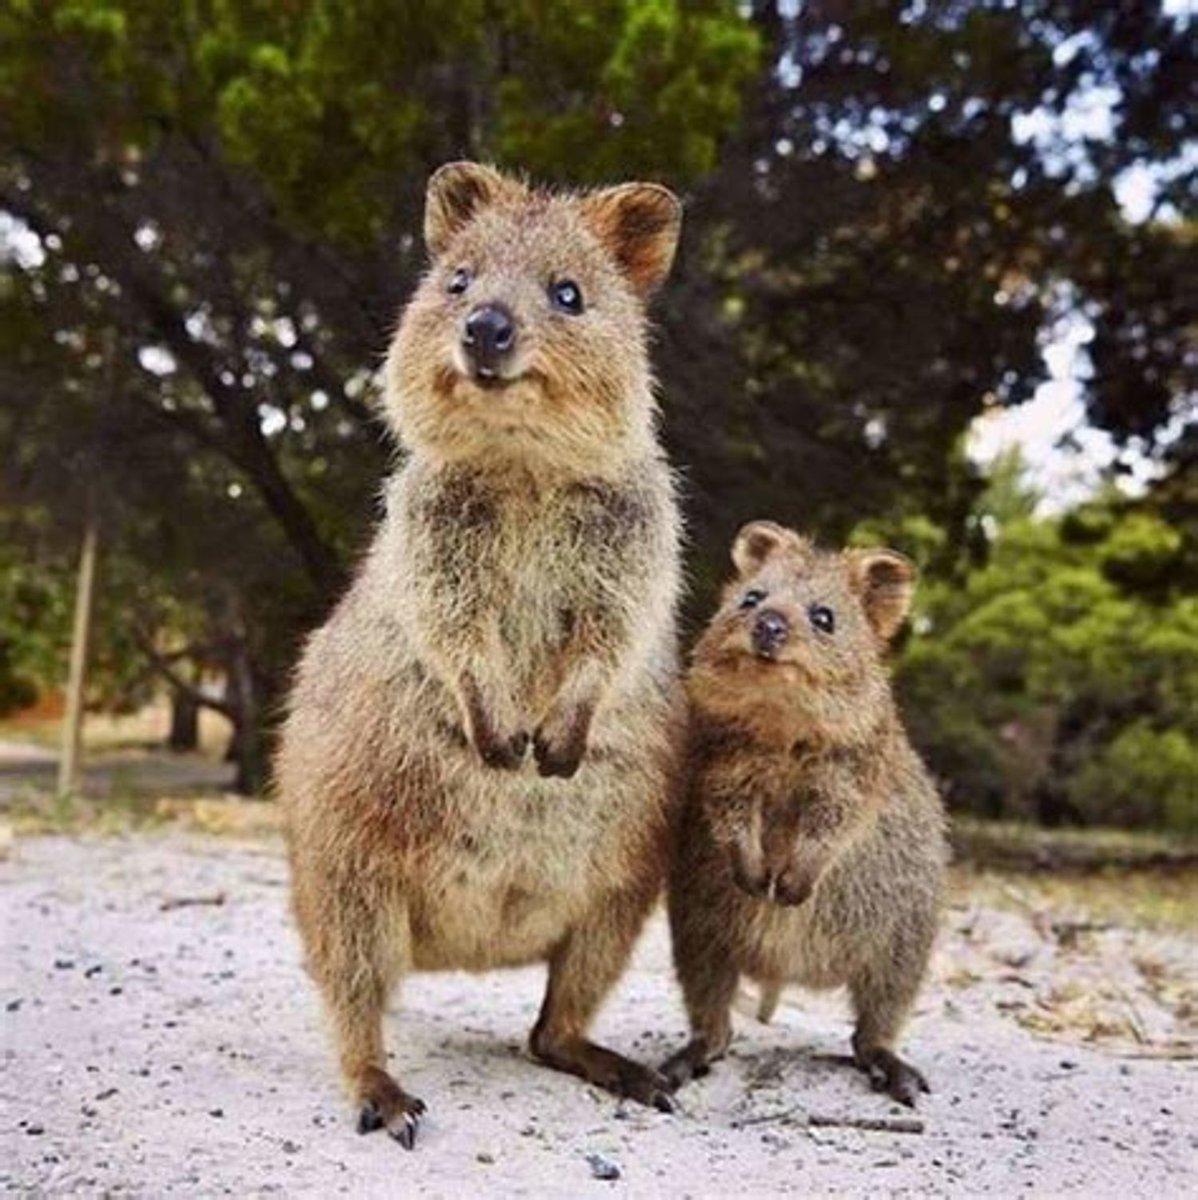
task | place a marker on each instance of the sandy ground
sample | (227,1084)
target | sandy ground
(158,1051)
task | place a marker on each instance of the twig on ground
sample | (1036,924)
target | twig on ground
(1178,1053)
(877,1124)
(784,1115)
(216,899)
(796,1116)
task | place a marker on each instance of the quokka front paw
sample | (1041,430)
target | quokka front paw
(502,750)
(554,760)
(561,741)
(502,753)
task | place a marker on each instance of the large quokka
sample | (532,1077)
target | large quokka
(479,766)
(812,846)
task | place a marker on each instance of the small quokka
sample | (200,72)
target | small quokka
(812,846)
(479,768)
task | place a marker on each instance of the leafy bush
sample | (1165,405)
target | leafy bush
(1060,680)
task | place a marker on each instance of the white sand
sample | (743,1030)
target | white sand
(181,1052)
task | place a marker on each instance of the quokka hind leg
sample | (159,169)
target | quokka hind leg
(708,977)
(357,950)
(582,970)
(882,998)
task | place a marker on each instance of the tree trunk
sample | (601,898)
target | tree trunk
(72,730)
(325,570)
(247,746)
(185,722)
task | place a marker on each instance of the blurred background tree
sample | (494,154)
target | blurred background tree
(210,217)
(1059,682)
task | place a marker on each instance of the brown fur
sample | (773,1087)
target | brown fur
(479,765)
(812,847)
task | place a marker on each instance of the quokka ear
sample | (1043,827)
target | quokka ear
(639,223)
(456,193)
(885,581)
(757,540)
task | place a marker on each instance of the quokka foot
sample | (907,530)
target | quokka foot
(609,1070)
(385,1105)
(693,1061)
(890,1074)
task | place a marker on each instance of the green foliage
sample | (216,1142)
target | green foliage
(1061,680)
(329,105)
(37,597)
(669,85)
(32,627)
(1145,776)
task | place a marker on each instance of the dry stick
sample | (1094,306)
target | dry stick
(171,902)
(878,1124)
(824,1121)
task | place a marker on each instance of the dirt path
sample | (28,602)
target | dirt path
(161,1052)
(28,768)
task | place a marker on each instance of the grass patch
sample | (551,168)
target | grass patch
(1148,897)
(1017,846)
(33,813)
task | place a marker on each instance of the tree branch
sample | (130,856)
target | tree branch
(111,243)
(163,665)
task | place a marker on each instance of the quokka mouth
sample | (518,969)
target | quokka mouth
(739,658)
(491,383)
(744,660)
(452,378)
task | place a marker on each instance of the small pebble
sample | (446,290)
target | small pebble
(602,1167)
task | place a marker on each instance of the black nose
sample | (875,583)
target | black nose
(489,334)
(770,630)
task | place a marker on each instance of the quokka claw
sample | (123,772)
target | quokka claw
(404,1131)
(898,1079)
(388,1106)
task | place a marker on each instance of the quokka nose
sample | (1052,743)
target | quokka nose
(489,334)
(770,630)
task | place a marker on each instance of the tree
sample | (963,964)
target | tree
(252,179)
(1061,681)
(886,211)
(253,176)
(891,233)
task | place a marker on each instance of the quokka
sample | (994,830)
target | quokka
(812,848)
(480,764)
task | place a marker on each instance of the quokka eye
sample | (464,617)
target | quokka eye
(822,618)
(459,281)
(752,598)
(566,296)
